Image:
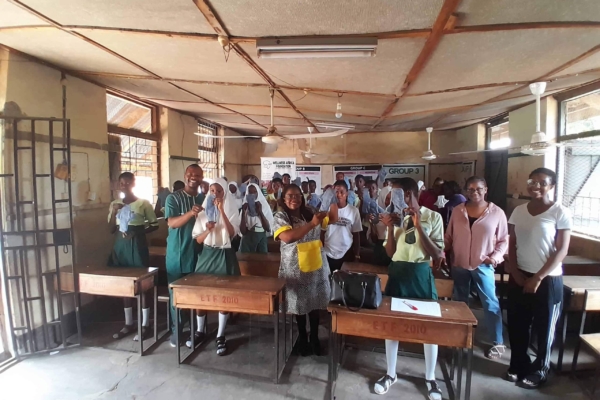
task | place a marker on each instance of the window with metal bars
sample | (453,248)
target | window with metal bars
(579,161)
(498,134)
(208,151)
(133,147)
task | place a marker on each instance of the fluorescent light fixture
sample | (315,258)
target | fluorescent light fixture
(316,48)
(333,125)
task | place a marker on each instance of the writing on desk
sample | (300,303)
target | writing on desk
(214,298)
(396,327)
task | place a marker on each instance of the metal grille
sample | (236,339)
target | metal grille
(581,184)
(582,114)
(208,151)
(139,156)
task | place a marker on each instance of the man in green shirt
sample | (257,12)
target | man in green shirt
(181,210)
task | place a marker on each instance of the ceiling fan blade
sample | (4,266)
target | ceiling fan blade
(316,135)
(225,137)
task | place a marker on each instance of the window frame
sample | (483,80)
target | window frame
(154,134)
(498,120)
(215,148)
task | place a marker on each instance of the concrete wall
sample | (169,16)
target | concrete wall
(235,154)
(179,129)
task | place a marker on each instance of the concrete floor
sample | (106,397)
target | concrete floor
(98,373)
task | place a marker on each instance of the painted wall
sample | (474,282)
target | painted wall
(235,154)
(179,129)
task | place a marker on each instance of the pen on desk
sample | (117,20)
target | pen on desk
(410,306)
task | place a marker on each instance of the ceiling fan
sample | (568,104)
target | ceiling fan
(310,154)
(539,144)
(428,155)
(272,136)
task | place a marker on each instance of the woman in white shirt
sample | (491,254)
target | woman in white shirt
(342,240)
(217,257)
(539,240)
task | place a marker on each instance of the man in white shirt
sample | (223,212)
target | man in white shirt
(342,240)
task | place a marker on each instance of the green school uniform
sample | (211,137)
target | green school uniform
(132,251)
(217,261)
(409,272)
(182,249)
(254,242)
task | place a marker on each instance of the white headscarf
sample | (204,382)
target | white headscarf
(266,209)
(382,195)
(219,237)
(237,196)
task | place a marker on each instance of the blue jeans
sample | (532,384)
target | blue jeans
(484,281)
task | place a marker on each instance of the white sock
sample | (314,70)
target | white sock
(128,316)
(200,319)
(222,324)
(431,352)
(391,356)
(145,315)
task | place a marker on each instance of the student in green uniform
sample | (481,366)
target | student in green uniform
(255,229)
(217,257)
(412,246)
(130,219)
(181,210)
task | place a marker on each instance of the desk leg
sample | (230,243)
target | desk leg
(155,314)
(192,333)
(177,336)
(452,362)
(139,316)
(333,365)
(459,377)
(469,369)
(276,328)
(561,344)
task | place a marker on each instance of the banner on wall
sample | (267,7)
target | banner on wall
(414,171)
(270,165)
(312,172)
(467,170)
(350,171)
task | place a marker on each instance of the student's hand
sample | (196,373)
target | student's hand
(437,264)
(491,261)
(258,206)
(387,219)
(245,207)
(219,203)
(210,226)
(117,206)
(196,209)
(415,214)
(371,218)
(531,284)
(318,218)
(518,277)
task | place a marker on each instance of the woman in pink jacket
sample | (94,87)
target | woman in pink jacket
(477,236)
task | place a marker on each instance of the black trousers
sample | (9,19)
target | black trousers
(336,264)
(539,312)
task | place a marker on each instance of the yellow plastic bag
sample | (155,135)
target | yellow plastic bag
(309,256)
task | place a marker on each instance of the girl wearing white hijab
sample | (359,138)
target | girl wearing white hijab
(236,194)
(217,257)
(255,228)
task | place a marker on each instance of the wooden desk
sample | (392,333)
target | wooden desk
(158,255)
(128,282)
(240,294)
(255,264)
(457,324)
(577,266)
(574,297)
(443,283)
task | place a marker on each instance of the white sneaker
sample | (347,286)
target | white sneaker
(383,385)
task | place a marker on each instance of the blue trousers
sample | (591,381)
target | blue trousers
(484,281)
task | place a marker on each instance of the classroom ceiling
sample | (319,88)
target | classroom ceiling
(441,63)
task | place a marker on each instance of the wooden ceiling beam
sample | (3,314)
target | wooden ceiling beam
(437,31)
(524,26)
(210,16)
(186,35)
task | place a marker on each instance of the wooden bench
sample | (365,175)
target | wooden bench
(443,283)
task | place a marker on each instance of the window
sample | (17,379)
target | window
(498,134)
(208,151)
(579,161)
(133,146)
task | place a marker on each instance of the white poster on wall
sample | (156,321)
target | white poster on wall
(310,172)
(414,171)
(270,165)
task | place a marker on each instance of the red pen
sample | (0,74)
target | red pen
(410,306)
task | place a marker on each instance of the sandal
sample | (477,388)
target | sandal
(532,381)
(126,330)
(221,346)
(383,385)
(495,352)
(198,338)
(145,334)
(433,390)
(511,377)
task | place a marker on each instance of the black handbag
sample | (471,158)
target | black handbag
(355,290)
